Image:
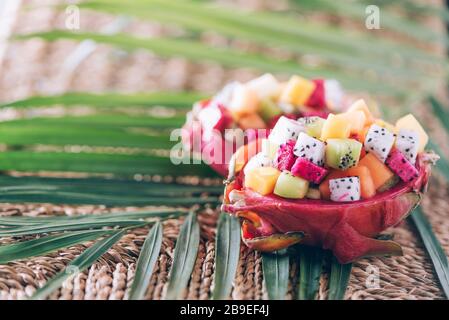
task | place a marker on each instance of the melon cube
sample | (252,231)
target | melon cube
(360,105)
(335,127)
(297,91)
(244,101)
(409,122)
(262,179)
(289,186)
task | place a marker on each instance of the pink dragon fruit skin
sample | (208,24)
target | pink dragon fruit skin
(285,158)
(308,170)
(401,166)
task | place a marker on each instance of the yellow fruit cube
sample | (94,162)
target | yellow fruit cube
(244,101)
(297,91)
(262,179)
(360,105)
(356,119)
(335,127)
(409,122)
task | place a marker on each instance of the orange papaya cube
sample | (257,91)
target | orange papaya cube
(335,127)
(367,189)
(251,121)
(380,173)
(324,186)
(262,180)
(297,91)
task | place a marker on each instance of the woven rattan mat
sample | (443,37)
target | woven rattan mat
(36,67)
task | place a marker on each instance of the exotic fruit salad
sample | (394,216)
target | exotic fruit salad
(257,104)
(334,182)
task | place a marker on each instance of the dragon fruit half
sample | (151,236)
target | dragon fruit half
(348,229)
(348,213)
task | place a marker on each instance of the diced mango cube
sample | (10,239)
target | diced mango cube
(297,91)
(409,122)
(262,179)
(362,106)
(335,127)
(356,119)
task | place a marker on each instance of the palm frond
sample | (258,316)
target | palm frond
(201,17)
(338,279)
(436,252)
(146,262)
(310,269)
(184,257)
(79,264)
(41,246)
(276,269)
(177,100)
(227,251)
(196,51)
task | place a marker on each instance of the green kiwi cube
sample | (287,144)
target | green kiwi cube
(268,109)
(342,154)
(313,125)
(289,186)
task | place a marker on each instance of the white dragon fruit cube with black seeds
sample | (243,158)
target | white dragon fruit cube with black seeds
(284,130)
(379,141)
(345,189)
(259,160)
(310,148)
(407,141)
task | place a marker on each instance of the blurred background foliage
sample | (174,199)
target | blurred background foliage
(125,135)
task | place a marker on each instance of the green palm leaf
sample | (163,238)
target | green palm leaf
(41,246)
(275,272)
(310,268)
(184,257)
(146,262)
(227,251)
(79,264)
(197,51)
(178,100)
(434,249)
(120,165)
(200,17)
(338,279)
